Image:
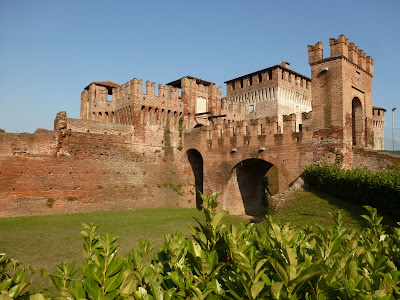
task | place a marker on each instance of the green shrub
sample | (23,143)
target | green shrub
(50,202)
(263,261)
(13,285)
(380,189)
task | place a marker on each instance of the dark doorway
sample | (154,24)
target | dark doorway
(257,180)
(196,161)
(357,122)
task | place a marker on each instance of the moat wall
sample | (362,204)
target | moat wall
(91,172)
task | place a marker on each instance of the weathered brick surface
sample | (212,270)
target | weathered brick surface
(84,171)
(105,180)
(373,160)
(42,142)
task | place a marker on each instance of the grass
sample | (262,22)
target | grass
(49,240)
(310,207)
(45,241)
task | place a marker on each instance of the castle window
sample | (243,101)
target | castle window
(250,80)
(259,77)
(358,78)
(251,108)
(201,105)
(109,94)
(241,82)
(270,74)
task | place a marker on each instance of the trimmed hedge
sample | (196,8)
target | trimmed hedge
(380,189)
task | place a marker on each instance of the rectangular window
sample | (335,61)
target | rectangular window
(201,105)
(251,108)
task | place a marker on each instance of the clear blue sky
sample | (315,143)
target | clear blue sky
(50,50)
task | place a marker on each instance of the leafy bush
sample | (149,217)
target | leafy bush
(12,286)
(380,189)
(263,261)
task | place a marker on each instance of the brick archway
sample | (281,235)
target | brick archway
(197,164)
(357,123)
(251,183)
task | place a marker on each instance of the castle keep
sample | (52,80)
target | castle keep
(140,146)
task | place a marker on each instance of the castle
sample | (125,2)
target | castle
(133,149)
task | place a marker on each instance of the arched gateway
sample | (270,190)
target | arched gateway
(251,183)
(196,162)
(357,122)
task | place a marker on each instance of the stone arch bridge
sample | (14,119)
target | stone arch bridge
(247,169)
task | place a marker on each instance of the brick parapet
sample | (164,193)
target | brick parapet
(340,48)
(40,143)
(78,125)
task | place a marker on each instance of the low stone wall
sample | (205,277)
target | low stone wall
(374,160)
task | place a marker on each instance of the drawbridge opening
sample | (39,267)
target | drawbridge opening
(196,162)
(257,180)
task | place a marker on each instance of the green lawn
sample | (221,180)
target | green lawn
(310,207)
(49,240)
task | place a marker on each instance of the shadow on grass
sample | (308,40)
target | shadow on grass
(353,209)
(312,207)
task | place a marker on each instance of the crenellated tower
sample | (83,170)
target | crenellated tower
(342,92)
(274,91)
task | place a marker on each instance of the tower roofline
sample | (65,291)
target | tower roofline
(267,69)
(178,83)
(106,83)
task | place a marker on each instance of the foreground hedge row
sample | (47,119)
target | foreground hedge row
(264,261)
(380,189)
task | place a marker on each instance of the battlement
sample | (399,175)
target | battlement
(378,113)
(268,128)
(134,89)
(341,48)
(266,78)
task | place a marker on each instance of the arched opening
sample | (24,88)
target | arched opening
(256,181)
(198,125)
(196,162)
(356,122)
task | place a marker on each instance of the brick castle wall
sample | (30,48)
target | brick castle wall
(85,166)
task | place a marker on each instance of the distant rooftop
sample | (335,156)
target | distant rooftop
(378,108)
(178,83)
(106,83)
(281,66)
